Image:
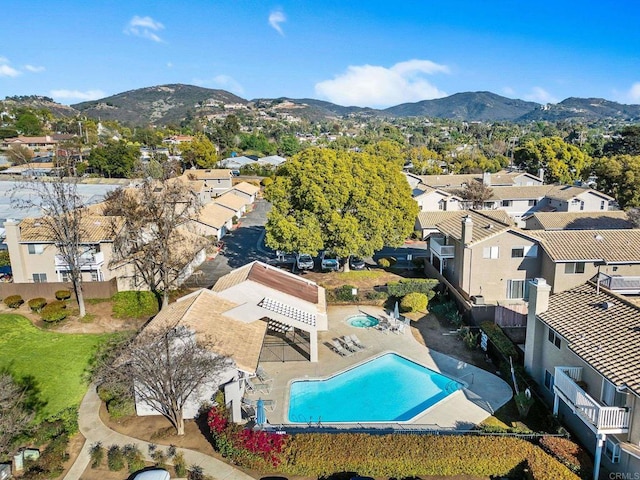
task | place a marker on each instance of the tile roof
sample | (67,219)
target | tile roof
(567,192)
(246,187)
(608,339)
(204,312)
(214,215)
(612,219)
(611,246)
(230,200)
(94,229)
(519,192)
(486,224)
(201,174)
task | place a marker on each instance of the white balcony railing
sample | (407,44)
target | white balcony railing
(440,249)
(626,285)
(87,260)
(588,408)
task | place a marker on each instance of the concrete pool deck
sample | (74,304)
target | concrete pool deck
(461,410)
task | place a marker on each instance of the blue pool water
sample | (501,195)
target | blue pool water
(362,320)
(389,388)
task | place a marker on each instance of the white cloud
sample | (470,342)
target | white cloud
(540,95)
(7,70)
(34,69)
(372,85)
(275,19)
(634,92)
(508,91)
(144,27)
(224,82)
(63,94)
(4,60)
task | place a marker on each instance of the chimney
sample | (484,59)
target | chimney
(541,174)
(486,178)
(539,291)
(467,230)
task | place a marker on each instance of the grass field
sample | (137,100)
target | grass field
(57,361)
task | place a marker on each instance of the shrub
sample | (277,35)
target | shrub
(469,338)
(134,458)
(36,304)
(386,262)
(120,407)
(115,458)
(345,293)
(13,301)
(133,304)
(375,295)
(414,302)
(51,461)
(499,339)
(570,454)
(53,312)
(97,454)
(411,285)
(266,181)
(196,473)
(179,465)
(63,295)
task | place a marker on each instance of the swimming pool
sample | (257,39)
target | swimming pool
(388,388)
(362,320)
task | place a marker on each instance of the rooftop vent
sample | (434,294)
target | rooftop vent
(488,226)
(606,305)
(598,237)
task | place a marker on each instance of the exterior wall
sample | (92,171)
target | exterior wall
(533,223)
(430,202)
(488,277)
(207,230)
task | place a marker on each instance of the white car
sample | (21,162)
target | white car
(153,474)
(329,261)
(304,261)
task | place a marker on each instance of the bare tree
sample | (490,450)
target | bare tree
(19,154)
(155,239)
(634,216)
(165,368)
(62,223)
(15,417)
(475,193)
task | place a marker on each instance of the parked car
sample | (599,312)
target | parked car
(356,263)
(329,262)
(153,474)
(304,261)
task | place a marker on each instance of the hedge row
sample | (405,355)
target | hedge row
(411,285)
(569,453)
(499,339)
(417,455)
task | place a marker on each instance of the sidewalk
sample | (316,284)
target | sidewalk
(94,430)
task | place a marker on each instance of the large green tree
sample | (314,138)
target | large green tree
(562,163)
(619,176)
(199,152)
(114,159)
(350,203)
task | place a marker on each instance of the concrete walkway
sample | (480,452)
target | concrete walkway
(94,430)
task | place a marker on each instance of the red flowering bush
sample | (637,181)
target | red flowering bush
(255,449)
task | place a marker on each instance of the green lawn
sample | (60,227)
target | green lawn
(57,361)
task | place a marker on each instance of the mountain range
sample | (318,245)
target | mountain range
(172,104)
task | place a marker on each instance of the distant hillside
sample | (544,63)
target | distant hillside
(469,106)
(584,109)
(39,102)
(161,104)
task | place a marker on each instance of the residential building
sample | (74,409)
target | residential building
(213,220)
(582,348)
(502,178)
(606,220)
(483,257)
(246,190)
(235,203)
(216,181)
(571,257)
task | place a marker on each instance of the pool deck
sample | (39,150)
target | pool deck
(461,410)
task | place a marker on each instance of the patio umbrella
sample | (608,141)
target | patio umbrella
(396,312)
(261,416)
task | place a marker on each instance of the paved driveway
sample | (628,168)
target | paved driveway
(243,245)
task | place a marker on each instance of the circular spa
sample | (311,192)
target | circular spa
(362,320)
(387,388)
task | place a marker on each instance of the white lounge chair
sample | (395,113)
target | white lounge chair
(257,387)
(356,341)
(262,375)
(339,349)
(348,343)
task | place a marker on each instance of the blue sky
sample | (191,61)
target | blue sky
(350,52)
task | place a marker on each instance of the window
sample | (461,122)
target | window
(574,267)
(612,397)
(95,276)
(491,252)
(517,252)
(554,338)
(601,204)
(518,288)
(531,251)
(35,249)
(65,277)
(441,205)
(615,269)
(581,205)
(39,277)
(548,380)
(612,449)
(533,203)
(507,203)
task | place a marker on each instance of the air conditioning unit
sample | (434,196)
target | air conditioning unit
(477,300)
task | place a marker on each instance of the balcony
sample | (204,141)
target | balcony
(88,261)
(438,248)
(620,284)
(600,418)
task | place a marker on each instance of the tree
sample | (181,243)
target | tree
(114,159)
(288,146)
(155,240)
(634,216)
(619,176)
(199,152)
(627,143)
(256,143)
(347,202)
(19,154)
(63,221)
(15,415)
(562,163)
(163,367)
(27,122)
(424,161)
(476,193)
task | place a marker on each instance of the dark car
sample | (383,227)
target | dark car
(356,263)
